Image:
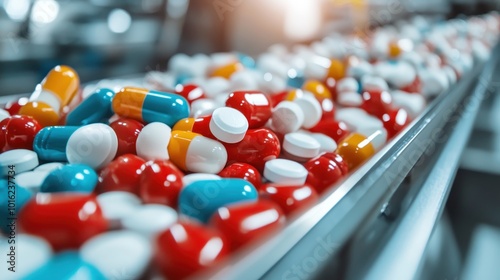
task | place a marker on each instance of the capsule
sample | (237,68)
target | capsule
(200,125)
(196,153)
(96,108)
(50,142)
(356,148)
(57,90)
(255,106)
(227,70)
(201,199)
(150,105)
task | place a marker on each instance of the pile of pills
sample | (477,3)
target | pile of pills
(168,176)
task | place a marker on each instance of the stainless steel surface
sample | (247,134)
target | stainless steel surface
(328,225)
(402,257)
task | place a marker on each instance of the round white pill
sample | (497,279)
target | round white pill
(117,205)
(194,177)
(150,219)
(285,171)
(327,144)
(373,83)
(32,180)
(93,144)
(49,166)
(153,140)
(32,253)
(18,161)
(118,254)
(287,117)
(301,145)
(311,108)
(228,125)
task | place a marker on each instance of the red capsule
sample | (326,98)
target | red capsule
(257,147)
(127,131)
(328,108)
(323,172)
(65,220)
(289,198)
(341,163)
(122,174)
(244,222)
(255,106)
(332,128)
(186,248)
(376,102)
(161,183)
(13,106)
(395,121)
(243,171)
(277,98)
(191,92)
(18,132)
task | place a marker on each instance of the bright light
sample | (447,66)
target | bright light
(45,11)
(302,19)
(16,9)
(119,21)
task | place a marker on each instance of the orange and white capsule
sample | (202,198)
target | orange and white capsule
(196,153)
(57,90)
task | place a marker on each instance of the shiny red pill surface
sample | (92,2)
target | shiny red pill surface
(332,128)
(161,183)
(323,172)
(376,102)
(190,92)
(65,220)
(18,132)
(13,106)
(122,174)
(395,120)
(289,198)
(255,106)
(127,131)
(186,248)
(244,222)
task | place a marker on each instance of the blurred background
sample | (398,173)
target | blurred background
(109,38)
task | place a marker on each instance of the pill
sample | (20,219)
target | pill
(257,147)
(376,102)
(117,205)
(127,131)
(70,178)
(193,152)
(290,198)
(228,125)
(323,172)
(32,180)
(245,222)
(311,108)
(122,174)
(18,132)
(94,144)
(395,121)
(37,250)
(355,149)
(118,254)
(255,106)
(50,143)
(153,141)
(215,86)
(60,217)
(243,171)
(300,146)
(200,125)
(201,199)
(350,99)
(318,89)
(373,83)
(193,177)
(150,106)
(57,89)
(332,128)
(287,117)
(160,183)
(95,108)
(285,171)
(181,249)
(150,219)
(190,92)
(327,144)
(66,265)
(8,211)
(17,161)
(225,71)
